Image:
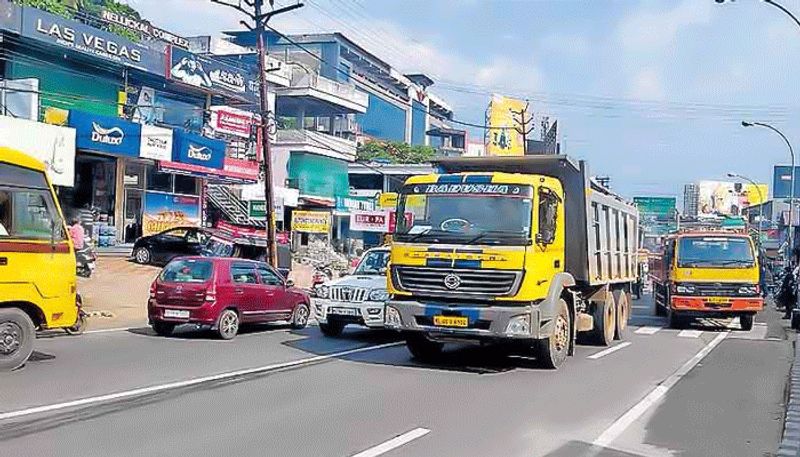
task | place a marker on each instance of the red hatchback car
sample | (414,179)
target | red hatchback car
(223,293)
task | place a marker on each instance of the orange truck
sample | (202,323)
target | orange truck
(707,273)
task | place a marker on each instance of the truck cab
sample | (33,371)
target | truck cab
(712,274)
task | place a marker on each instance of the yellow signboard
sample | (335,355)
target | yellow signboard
(387,200)
(756,195)
(311,221)
(504,139)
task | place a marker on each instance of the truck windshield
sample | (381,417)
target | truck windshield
(464,213)
(716,252)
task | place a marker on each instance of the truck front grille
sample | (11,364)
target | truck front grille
(454,282)
(717,289)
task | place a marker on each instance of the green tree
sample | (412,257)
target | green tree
(68,8)
(394,152)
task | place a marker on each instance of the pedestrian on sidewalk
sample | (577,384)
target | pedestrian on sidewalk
(77,234)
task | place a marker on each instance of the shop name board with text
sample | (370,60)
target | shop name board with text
(145,28)
(311,221)
(199,71)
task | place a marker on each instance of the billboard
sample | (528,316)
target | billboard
(504,140)
(656,214)
(165,211)
(728,198)
(782,181)
(311,221)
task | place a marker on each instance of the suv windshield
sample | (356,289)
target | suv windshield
(373,263)
(716,252)
(489,213)
(190,270)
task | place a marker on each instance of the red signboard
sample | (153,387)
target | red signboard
(393,220)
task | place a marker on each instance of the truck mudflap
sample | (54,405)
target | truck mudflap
(455,322)
(716,304)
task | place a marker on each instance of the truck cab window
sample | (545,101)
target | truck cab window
(548,215)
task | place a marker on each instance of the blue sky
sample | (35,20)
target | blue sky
(650,92)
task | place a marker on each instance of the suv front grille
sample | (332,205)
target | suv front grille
(348,294)
(439,281)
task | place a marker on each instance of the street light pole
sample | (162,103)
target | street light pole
(776,5)
(760,198)
(259,20)
(791,191)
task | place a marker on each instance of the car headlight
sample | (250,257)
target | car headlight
(685,289)
(323,291)
(519,325)
(748,290)
(391,318)
(379,295)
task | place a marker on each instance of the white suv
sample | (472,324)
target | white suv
(355,299)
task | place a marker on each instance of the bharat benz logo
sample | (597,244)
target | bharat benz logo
(113,136)
(452,281)
(199,153)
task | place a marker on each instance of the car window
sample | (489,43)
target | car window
(268,277)
(193,236)
(187,271)
(29,214)
(180,233)
(243,273)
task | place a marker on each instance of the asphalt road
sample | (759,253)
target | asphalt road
(711,390)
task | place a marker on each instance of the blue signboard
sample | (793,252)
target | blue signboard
(211,74)
(111,135)
(193,149)
(782,181)
(66,33)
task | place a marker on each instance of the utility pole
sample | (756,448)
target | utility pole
(253,9)
(522,125)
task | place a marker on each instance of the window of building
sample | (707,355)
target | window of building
(185,185)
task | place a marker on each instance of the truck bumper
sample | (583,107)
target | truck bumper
(483,322)
(705,306)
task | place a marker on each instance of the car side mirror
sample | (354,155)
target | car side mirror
(289,283)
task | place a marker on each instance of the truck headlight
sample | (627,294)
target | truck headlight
(519,325)
(748,290)
(379,295)
(685,289)
(323,291)
(391,318)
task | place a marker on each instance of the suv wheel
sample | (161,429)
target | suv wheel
(333,329)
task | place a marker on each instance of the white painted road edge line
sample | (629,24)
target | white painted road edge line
(186,383)
(619,426)
(690,333)
(111,330)
(393,443)
(647,330)
(610,350)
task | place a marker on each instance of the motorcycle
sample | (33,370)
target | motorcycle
(80,323)
(85,261)
(320,277)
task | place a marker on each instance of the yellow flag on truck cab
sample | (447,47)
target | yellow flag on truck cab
(503,138)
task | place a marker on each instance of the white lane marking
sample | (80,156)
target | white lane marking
(624,421)
(111,330)
(647,330)
(690,333)
(393,443)
(185,383)
(734,323)
(610,350)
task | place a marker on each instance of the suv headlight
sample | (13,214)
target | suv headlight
(685,289)
(519,325)
(323,291)
(391,318)
(748,290)
(379,295)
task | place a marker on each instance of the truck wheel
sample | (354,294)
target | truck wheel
(604,322)
(746,321)
(552,352)
(422,348)
(795,321)
(333,329)
(17,335)
(622,304)
(674,320)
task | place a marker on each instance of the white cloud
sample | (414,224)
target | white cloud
(650,30)
(647,85)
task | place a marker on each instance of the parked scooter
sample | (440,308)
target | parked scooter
(85,261)
(80,322)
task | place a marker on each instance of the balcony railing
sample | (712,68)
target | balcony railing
(346,91)
(315,140)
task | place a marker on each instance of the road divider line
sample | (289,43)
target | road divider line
(394,443)
(610,350)
(630,416)
(647,330)
(111,330)
(185,383)
(690,333)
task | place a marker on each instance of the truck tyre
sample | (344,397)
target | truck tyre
(622,303)
(658,309)
(332,329)
(795,321)
(605,325)
(422,348)
(674,320)
(17,334)
(746,321)
(551,352)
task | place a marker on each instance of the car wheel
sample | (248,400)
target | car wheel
(746,321)
(142,255)
(333,329)
(300,316)
(163,328)
(228,324)
(17,334)
(422,348)
(551,352)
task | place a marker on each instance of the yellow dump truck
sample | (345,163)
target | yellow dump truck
(511,249)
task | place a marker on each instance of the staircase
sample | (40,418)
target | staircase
(231,205)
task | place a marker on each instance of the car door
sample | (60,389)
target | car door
(246,293)
(169,244)
(276,297)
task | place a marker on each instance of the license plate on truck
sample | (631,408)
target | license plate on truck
(450,321)
(718,300)
(176,313)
